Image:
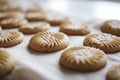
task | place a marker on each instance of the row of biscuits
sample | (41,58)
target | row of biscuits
(77,58)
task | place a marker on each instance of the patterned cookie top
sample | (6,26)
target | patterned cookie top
(7,36)
(103,37)
(114,23)
(85,52)
(80,57)
(83,55)
(106,42)
(51,38)
(49,41)
(7,62)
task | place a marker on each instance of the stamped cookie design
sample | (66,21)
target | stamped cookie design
(7,62)
(112,27)
(82,58)
(10,38)
(71,28)
(106,42)
(49,41)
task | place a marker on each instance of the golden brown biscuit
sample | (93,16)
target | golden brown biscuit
(54,18)
(10,38)
(35,16)
(7,62)
(49,41)
(82,58)
(106,42)
(112,27)
(114,73)
(12,22)
(5,15)
(34,27)
(72,28)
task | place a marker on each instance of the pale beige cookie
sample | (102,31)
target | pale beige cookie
(5,15)
(106,42)
(113,73)
(35,16)
(12,22)
(72,28)
(55,18)
(4,8)
(112,27)
(34,27)
(10,38)
(49,41)
(82,58)
(34,9)
(7,62)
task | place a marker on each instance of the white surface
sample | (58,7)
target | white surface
(42,66)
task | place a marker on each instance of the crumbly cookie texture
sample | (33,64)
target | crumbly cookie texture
(112,27)
(7,62)
(72,28)
(10,38)
(34,27)
(82,58)
(106,42)
(113,73)
(12,22)
(48,41)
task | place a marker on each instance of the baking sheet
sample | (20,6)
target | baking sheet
(45,66)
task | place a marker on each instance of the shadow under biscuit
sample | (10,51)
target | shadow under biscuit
(38,53)
(7,75)
(72,71)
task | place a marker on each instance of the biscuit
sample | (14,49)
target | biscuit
(112,27)
(48,41)
(72,28)
(34,27)
(106,42)
(0,28)
(4,8)
(12,22)
(54,18)
(7,62)
(113,73)
(10,38)
(34,9)
(83,59)
(5,15)
(35,16)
